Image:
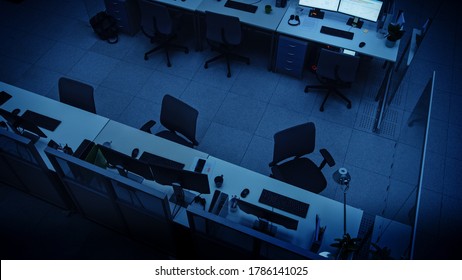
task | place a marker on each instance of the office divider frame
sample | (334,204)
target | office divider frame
(217,237)
(116,202)
(23,167)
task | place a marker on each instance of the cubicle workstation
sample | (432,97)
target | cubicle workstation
(25,163)
(258,19)
(287,231)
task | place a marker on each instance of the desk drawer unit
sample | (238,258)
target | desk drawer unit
(290,57)
(127,14)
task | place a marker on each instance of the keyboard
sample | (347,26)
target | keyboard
(158,160)
(284,203)
(41,120)
(241,6)
(337,32)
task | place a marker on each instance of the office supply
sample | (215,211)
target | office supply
(223,33)
(335,70)
(180,119)
(41,120)
(218,181)
(337,32)
(328,5)
(284,203)
(4,97)
(216,194)
(265,217)
(241,6)
(158,160)
(199,165)
(362,44)
(135,152)
(158,25)
(220,203)
(245,192)
(76,94)
(364,9)
(289,165)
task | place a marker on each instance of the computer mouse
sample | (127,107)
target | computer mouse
(245,192)
(16,111)
(362,44)
(135,152)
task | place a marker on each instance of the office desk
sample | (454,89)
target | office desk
(330,212)
(124,138)
(309,29)
(266,23)
(76,124)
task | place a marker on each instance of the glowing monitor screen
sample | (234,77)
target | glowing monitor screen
(329,5)
(365,9)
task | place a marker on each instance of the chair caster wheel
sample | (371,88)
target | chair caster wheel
(306,90)
(145,57)
(228,75)
(206,66)
(186,51)
(169,65)
(349,106)
(321,109)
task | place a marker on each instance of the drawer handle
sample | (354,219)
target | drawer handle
(289,61)
(292,46)
(291,54)
(288,69)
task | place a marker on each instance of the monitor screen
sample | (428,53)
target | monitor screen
(329,5)
(121,160)
(16,122)
(365,9)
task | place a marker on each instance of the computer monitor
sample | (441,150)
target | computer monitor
(264,216)
(181,180)
(29,129)
(318,5)
(125,163)
(360,9)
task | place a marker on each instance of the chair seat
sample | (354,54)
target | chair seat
(302,173)
(172,136)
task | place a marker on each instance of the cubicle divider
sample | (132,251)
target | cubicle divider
(215,237)
(23,168)
(115,201)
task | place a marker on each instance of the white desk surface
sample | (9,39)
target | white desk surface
(190,5)
(125,138)
(76,124)
(258,19)
(309,29)
(330,212)
(394,235)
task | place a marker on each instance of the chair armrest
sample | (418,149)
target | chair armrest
(327,159)
(147,126)
(276,174)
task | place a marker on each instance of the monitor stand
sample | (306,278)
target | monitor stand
(181,197)
(355,22)
(265,227)
(31,136)
(316,13)
(129,175)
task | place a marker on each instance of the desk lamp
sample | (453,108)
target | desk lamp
(343,178)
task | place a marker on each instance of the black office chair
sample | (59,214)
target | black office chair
(76,94)
(158,25)
(289,165)
(179,119)
(223,33)
(335,70)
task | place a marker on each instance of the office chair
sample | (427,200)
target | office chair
(289,165)
(179,119)
(223,34)
(335,70)
(158,25)
(76,94)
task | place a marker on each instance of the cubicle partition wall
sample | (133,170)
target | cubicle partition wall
(115,201)
(217,237)
(23,168)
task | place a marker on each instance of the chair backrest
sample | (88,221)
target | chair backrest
(223,28)
(179,117)
(295,141)
(337,65)
(155,18)
(76,94)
